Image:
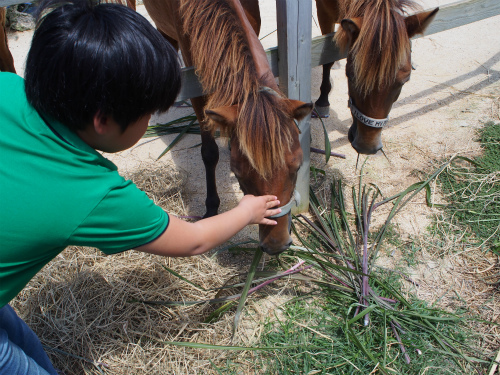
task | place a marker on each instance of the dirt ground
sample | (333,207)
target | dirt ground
(454,90)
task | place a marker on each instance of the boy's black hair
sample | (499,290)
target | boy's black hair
(106,58)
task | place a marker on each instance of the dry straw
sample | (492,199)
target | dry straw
(79,304)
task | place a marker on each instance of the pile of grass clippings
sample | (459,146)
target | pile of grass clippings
(472,190)
(362,318)
(329,344)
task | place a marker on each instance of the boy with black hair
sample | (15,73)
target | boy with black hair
(94,75)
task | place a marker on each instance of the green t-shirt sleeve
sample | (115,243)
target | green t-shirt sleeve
(124,219)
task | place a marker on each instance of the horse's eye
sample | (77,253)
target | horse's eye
(295,165)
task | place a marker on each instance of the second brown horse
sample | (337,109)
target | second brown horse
(376,34)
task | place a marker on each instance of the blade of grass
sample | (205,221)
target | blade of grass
(361,314)
(215,367)
(199,287)
(339,197)
(401,202)
(328,147)
(371,356)
(195,345)
(385,339)
(232,245)
(214,316)
(177,139)
(244,293)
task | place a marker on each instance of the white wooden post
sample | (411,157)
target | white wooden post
(294,21)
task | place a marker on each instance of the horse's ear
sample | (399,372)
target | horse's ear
(300,109)
(417,23)
(225,117)
(352,26)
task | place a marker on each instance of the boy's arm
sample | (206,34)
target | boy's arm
(182,239)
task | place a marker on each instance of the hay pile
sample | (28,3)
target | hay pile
(79,304)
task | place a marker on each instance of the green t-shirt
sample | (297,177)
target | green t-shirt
(57,191)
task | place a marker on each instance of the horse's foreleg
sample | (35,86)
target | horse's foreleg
(210,157)
(322,105)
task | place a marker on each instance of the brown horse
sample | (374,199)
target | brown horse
(376,35)
(6,60)
(219,38)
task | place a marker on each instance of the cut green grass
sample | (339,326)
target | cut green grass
(330,345)
(359,320)
(472,190)
(353,317)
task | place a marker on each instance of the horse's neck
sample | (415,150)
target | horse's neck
(258,54)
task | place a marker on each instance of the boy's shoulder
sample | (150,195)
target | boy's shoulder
(11,78)
(12,89)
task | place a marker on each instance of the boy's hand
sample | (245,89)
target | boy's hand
(186,239)
(260,208)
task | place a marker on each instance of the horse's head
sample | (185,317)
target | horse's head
(378,65)
(265,155)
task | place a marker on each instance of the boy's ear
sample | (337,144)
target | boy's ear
(100,123)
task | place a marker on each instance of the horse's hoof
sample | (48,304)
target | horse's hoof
(323,112)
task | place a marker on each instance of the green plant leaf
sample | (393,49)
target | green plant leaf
(183,278)
(244,293)
(214,316)
(361,314)
(328,146)
(177,139)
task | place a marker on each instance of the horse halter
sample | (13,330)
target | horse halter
(285,210)
(368,121)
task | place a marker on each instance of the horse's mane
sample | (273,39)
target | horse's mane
(224,63)
(381,47)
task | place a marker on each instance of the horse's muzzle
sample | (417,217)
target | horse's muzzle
(274,246)
(366,145)
(276,250)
